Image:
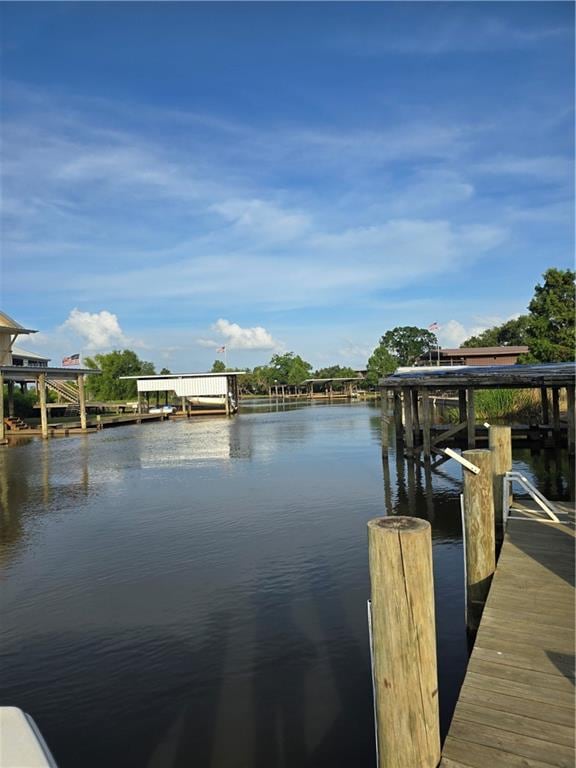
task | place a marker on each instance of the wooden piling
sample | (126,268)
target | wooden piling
(398,415)
(81,400)
(415,417)
(556,413)
(41,384)
(384,423)
(500,444)
(478,533)
(461,405)
(545,409)
(408,423)
(426,424)
(571,424)
(2,427)
(471,417)
(404,642)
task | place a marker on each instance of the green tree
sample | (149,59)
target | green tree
(551,334)
(289,369)
(165,372)
(218,366)
(511,333)
(335,372)
(108,386)
(380,363)
(407,343)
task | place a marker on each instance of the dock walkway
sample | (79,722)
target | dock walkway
(516,706)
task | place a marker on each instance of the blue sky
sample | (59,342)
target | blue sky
(280,176)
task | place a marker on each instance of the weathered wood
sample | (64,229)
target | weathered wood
(545,408)
(10,398)
(404,642)
(471,419)
(81,400)
(415,416)
(500,444)
(516,706)
(462,405)
(448,433)
(398,416)
(384,424)
(478,531)
(408,423)
(571,420)
(556,413)
(2,426)
(41,384)
(426,424)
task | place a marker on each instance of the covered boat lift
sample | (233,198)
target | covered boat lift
(412,389)
(327,387)
(223,386)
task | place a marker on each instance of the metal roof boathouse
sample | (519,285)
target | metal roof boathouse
(413,388)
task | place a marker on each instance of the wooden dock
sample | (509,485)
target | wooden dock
(516,706)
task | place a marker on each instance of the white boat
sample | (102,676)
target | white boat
(212,401)
(21,743)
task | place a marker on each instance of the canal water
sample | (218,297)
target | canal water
(193,593)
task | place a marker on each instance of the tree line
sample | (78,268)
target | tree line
(547,330)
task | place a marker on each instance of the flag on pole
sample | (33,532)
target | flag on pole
(433,327)
(221,349)
(71,360)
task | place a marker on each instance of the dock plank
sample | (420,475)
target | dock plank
(516,706)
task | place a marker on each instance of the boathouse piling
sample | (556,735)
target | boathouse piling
(500,444)
(404,642)
(41,384)
(478,533)
(398,415)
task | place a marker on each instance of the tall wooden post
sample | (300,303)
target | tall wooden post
(2,427)
(571,425)
(545,409)
(408,424)
(478,532)
(556,413)
(471,418)
(41,384)
(81,399)
(461,405)
(500,444)
(398,416)
(10,398)
(426,424)
(384,423)
(404,642)
(415,417)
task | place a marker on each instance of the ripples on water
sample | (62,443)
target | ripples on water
(194,592)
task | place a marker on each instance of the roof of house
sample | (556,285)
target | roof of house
(482,351)
(8,325)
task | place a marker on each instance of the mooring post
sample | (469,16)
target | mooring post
(478,533)
(41,384)
(426,424)
(500,444)
(556,414)
(571,424)
(81,400)
(545,409)
(415,417)
(408,423)
(398,416)
(404,642)
(471,415)
(384,423)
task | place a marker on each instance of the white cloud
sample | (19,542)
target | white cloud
(98,330)
(244,338)
(263,218)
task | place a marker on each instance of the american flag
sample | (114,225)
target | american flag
(71,360)
(221,349)
(433,327)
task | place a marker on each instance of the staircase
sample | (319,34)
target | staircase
(15,424)
(65,391)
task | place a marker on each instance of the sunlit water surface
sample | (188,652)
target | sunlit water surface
(194,592)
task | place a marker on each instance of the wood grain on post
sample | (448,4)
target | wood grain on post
(478,532)
(426,424)
(82,400)
(41,382)
(471,416)
(408,423)
(500,444)
(398,415)
(404,642)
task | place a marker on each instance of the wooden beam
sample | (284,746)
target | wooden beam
(449,433)
(500,444)
(398,415)
(571,424)
(545,408)
(556,413)
(2,427)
